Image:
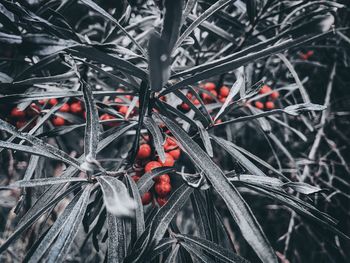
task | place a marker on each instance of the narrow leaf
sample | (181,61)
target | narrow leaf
(238,208)
(116,197)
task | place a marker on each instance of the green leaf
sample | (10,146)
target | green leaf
(212,248)
(238,208)
(229,147)
(303,188)
(92,128)
(146,182)
(44,181)
(196,253)
(100,10)
(116,239)
(116,197)
(64,241)
(138,224)
(35,215)
(204,16)
(173,254)
(157,136)
(54,231)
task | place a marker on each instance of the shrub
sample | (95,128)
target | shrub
(169,131)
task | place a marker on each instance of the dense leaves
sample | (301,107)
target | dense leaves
(174,131)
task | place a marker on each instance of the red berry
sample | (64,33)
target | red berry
(53,101)
(17,113)
(135,178)
(170,143)
(222,99)
(76,107)
(196,102)
(151,165)
(33,110)
(206,97)
(224,91)
(274,95)
(161,201)
(162,189)
(175,153)
(259,105)
(20,124)
(118,100)
(146,198)
(169,160)
(123,109)
(164,178)
(265,89)
(42,102)
(65,108)
(310,53)
(58,121)
(189,95)
(105,117)
(269,105)
(218,121)
(144,151)
(185,106)
(209,86)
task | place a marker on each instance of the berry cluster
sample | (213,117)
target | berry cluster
(20,117)
(146,164)
(210,93)
(119,103)
(268,102)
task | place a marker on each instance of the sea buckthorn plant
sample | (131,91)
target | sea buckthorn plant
(174,131)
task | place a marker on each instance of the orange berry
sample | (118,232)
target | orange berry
(151,165)
(146,198)
(164,178)
(58,121)
(224,91)
(162,189)
(269,105)
(144,151)
(53,101)
(135,178)
(161,201)
(65,108)
(123,109)
(76,107)
(265,89)
(259,105)
(209,86)
(274,95)
(17,113)
(169,160)
(175,153)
